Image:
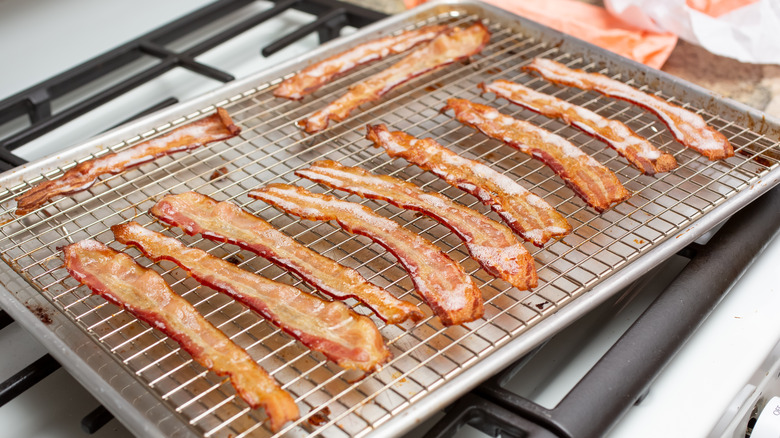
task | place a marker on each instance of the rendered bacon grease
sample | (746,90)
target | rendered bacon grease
(590,180)
(688,128)
(452,46)
(527,214)
(636,149)
(330,327)
(226,222)
(445,287)
(143,292)
(316,75)
(491,244)
(216,127)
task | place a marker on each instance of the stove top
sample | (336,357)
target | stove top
(84,28)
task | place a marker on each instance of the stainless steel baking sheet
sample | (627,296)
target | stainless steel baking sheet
(156,389)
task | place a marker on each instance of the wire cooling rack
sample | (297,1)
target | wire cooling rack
(335,402)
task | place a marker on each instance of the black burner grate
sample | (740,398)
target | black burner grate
(35,103)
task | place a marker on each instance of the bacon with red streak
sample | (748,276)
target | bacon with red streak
(527,214)
(589,179)
(215,127)
(343,336)
(490,243)
(445,287)
(636,149)
(311,78)
(143,292)
(227,222)
(688,128)
(449,47)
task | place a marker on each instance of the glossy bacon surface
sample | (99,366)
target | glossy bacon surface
(635,148)
(527,214)
(143,292)
(343,336)
(452,46)
(490,243)
(227,222)
(311,78)
(688,128)
(215,127)
(589,179)
(445,287)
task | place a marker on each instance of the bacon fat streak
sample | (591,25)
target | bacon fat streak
(311,78)
(226,222)
(527,214)
(590,180)
(451,46)
(343,336)
(445,287)
(491,244)
(215,127)
(635,148)
(688,128)
(143,292)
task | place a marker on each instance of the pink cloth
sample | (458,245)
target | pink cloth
(716,8)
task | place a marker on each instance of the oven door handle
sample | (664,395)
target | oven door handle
(623,375)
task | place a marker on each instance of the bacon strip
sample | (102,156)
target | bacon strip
(227,222)
(343,336)
(445,287)
(635,148)
(143,292)
(313,77)
(688,128)
(491,244)
(452,46)
(527,214)
(590,180)
(215,127)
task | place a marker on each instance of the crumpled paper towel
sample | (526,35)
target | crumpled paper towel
(593,24)
(749,32)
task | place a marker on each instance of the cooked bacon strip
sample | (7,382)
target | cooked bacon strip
(445,287)
(635,148)
(449,47)
(590,180)
(227,222)
(688,128)
(215,127)
(313,77)
(527,214)
(143,292)
(491,244)
(343,336)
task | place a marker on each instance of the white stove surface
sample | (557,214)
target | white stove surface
(49,36)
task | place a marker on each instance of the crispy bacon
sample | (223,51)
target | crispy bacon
(143,292)
(452,46)
(227,222)
(636,149)
(313,77)
(593,182)
(491,244)
(343,336)
(445,287)
(688,128)
(527,214)
(215,127)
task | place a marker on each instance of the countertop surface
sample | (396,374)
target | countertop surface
(752,84)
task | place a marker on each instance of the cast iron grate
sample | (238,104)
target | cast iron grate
(35,103)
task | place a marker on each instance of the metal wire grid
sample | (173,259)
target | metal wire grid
(427,355)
